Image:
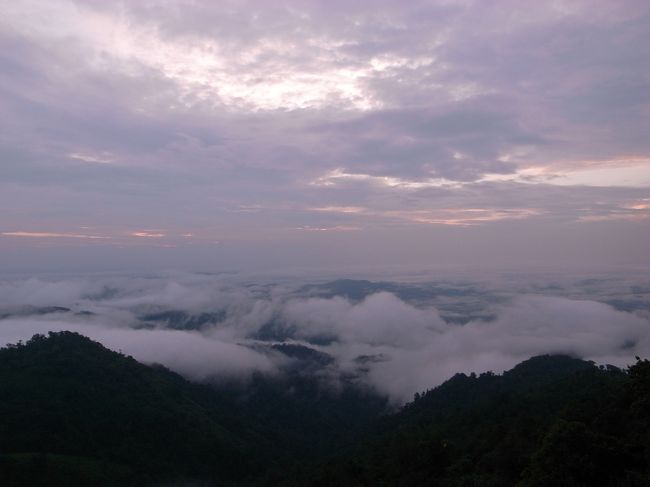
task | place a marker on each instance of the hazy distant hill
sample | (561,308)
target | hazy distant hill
(182,320)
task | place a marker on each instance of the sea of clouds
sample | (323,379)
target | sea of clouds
(381,338)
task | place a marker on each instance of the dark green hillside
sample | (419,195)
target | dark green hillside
(71,408)
(305,408)
(74,413)
(550,421)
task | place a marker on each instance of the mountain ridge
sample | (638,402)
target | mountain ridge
(74,412)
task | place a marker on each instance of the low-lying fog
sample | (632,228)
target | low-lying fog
(396,337)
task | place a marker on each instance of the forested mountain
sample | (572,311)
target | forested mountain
(107,417)
(74,413)
(550,421)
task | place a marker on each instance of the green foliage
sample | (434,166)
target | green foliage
(66,395)
(573,454)
(551,421)
(75,413)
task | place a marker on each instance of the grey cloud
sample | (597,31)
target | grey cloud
(380,319)
(188,353)
(422,142)
(460,90)
(396,346)
(417,352)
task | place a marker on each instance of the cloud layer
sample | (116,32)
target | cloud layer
(226,128)
(207,327)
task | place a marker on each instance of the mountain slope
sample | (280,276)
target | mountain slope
(550,421)
(74,413)
(67,395)
(73,410)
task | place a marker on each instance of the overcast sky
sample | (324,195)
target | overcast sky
(259,134)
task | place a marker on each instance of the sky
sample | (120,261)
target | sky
(329,134)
